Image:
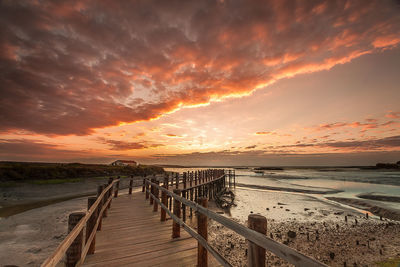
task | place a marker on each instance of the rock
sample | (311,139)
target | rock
(332,255)
(267,208)
(291,234)
(287,209)
(280,204)
(286,242)
(305,209)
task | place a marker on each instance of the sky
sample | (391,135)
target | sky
(207,83)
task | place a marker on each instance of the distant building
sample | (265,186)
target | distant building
(124,163)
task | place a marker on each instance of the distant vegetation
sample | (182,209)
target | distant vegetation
(388,165)
(25,171)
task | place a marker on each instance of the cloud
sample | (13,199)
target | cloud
(69,68)
(24,149)
(123,145)
(173,135)
(393,115)
(364,126)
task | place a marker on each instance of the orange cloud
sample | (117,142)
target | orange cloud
(99,72)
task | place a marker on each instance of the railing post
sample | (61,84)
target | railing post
(152,190)
(234,178)
(177,181)
(109,193)
(99,191)
(256,254)
(196,175)
(191,199)
(74,252)
(184,192)
(176,228)
(184,179)
(202,258)
(147,188)
(116,188)
(164,200)
(155,207)
(104,200)
(90,225)
(144,184)
(130,185)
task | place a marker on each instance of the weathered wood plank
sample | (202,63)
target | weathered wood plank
(132,235)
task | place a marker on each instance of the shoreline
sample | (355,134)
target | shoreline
(288,189)
(385,212)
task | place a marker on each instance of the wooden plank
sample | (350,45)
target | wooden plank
(133,235)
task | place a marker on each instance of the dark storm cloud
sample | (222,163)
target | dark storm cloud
(70,67)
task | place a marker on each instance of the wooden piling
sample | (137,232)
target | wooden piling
(130,185)
(177,181)
(202,258)
(256,254)
(164,200)
(110,180)
(144,184)
(116,188)
(184,206)
(74,252)
(184,180)
(152,190)
(155,207)
(90,225)
(105,198)
(176,229)
(147,188)
(99,191)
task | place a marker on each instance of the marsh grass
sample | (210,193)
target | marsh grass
(390,263)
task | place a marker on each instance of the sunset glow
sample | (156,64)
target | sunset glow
(200,82)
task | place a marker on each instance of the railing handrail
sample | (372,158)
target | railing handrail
(281,250)
(62,248)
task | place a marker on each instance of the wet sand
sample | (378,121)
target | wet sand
(24,197)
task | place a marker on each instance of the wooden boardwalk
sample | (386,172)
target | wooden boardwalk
(133,235)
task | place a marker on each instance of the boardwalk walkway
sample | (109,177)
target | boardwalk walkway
(133,235)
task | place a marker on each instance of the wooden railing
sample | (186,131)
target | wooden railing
(72,246)
(258,241)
